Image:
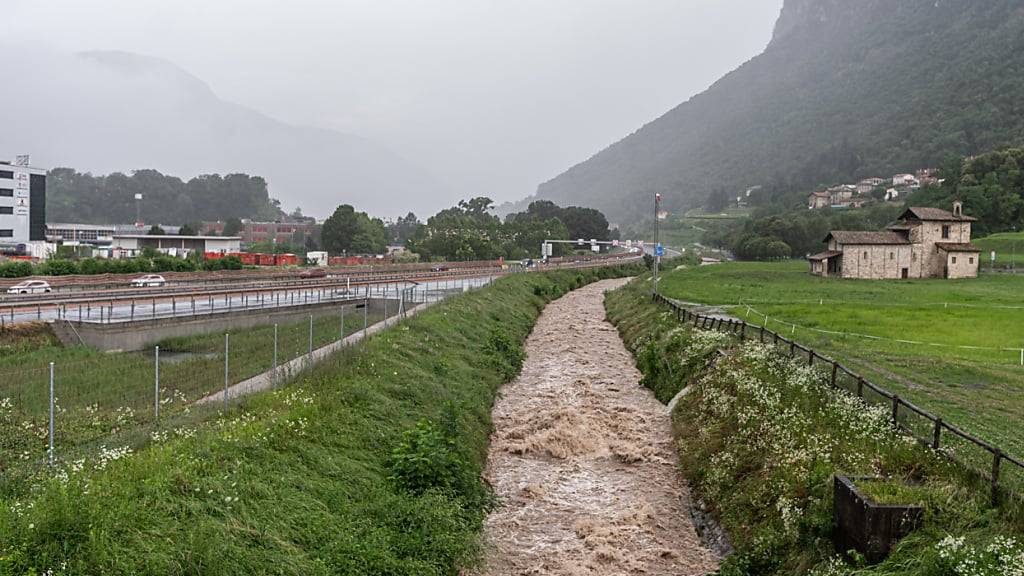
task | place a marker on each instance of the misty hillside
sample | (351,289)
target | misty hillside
(114,111)
(844,90)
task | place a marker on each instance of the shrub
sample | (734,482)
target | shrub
(15,269)
(504,353)
(58,267)
(427,459)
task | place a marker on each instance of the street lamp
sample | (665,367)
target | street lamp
(657,244)
(138,209)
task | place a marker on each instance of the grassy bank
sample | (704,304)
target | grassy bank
(979,389)
(104,398)
(760,438)
(369,464)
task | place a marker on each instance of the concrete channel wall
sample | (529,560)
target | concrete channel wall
(141,334)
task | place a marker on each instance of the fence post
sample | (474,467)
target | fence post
(810,357)
(366,310)
(762,335)
(936,433)
(792,349)
(342,323)
(156,384)
(133,310)
(275,352)
(895,410)
(743,332)
(835,371)
(50,451)
(310,336)
(997,456)
(227,381)
(860,387)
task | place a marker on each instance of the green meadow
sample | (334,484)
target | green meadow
(952,347)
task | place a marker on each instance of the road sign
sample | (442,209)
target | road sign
(659,250)
(615,243)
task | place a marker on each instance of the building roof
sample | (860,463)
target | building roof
(886,237)
(825,255)
(72,226)
(175,237)
(934,215)
(957,247)
(904,226)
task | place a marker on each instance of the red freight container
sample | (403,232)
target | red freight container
(286,260)
(213,255)
(248,258)
(265,259)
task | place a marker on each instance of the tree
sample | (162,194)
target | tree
(187,230)
(156,230)
(349,231)
(232,227)
(717,200)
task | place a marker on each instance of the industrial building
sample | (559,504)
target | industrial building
(276,232)
(22,204)
(127,245)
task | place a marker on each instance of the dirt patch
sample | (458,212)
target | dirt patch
(19,338)
(582,459)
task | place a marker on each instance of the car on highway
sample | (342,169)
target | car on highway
(30,287)
(148,280)
(313,273)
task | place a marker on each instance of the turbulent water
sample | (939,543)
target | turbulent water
(582,459)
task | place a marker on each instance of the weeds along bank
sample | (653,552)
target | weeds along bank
(760,438)
(369,464)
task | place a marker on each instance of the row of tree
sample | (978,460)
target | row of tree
(469,231)
(73,196)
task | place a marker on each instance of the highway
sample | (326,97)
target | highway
(203,298)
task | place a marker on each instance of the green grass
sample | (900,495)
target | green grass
(105,398)
(1008,247)
(303,480)
(980,390)
(760,438)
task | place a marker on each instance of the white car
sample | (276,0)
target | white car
(30,287)
(149,280)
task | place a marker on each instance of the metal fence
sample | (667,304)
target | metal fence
(79,402)
(982,458)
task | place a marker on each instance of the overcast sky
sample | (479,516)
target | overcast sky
(492,97)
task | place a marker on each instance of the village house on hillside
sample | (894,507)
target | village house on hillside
(923,243)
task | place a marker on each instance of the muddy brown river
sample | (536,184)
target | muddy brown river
(582,459)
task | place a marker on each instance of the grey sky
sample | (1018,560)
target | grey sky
(490,97)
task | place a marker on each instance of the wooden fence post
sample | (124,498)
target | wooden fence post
(860,387)
(835,371)
(792,349)
(743,332)
(997,456)
(810,357)
(762,335)
(936,433)
(895,410)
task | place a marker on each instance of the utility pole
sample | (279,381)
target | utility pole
(657,205)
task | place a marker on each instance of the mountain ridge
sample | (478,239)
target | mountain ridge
(843,90)
(115,111)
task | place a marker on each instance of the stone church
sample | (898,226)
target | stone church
(923,243)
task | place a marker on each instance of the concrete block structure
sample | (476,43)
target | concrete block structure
(923,243)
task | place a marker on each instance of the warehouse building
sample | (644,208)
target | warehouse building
(127,245)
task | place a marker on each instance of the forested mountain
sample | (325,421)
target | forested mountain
(76,197)
(845,90)
(105,112)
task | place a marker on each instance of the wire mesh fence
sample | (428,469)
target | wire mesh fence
(1004,472)
(87,402)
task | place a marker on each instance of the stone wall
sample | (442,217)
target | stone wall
(930,233)
(881,262)
(961,264)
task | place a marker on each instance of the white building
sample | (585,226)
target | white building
(22,203)
(70,234)
(131,244)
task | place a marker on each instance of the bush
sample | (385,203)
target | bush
(15,269)
(427,459)
(504,353)
(58,267)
